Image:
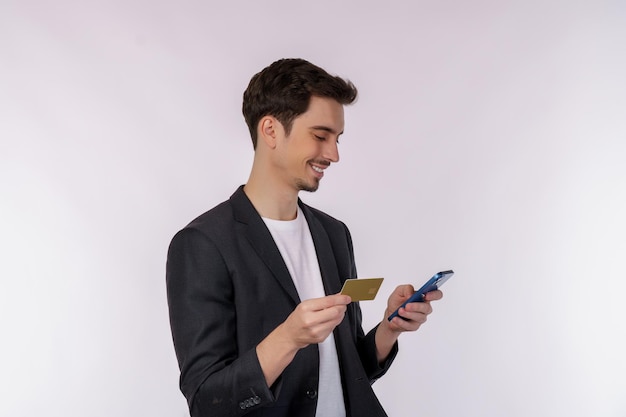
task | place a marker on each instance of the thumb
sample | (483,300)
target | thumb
(405,291)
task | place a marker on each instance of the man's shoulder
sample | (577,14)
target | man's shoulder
(218,215)
(221,218)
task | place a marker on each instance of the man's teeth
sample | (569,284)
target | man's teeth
(317,169)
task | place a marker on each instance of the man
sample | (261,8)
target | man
(258,323)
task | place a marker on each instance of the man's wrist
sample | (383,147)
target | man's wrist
(385,339)
(275,353)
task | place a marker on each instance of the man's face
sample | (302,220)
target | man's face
(311,145)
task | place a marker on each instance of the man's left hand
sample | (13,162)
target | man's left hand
(413,314)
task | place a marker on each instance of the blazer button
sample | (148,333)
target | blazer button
(311,393)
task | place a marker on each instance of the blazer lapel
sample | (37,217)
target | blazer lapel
(261,240)
(325,256)
(360,400)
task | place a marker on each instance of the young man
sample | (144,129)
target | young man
(259,326)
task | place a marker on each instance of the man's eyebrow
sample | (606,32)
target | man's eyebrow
(327,129)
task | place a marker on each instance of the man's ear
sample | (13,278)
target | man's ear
(269,130)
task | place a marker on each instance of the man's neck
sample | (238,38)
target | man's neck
(272,202)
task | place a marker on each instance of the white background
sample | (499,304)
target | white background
(489,137)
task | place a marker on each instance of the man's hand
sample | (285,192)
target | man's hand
(311,322)
(415,314)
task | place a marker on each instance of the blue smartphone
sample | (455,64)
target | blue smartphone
(431,285)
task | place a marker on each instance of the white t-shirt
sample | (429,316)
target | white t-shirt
(295,244)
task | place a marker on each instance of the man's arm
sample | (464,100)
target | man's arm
(416,314)
(311,322)
(216,378)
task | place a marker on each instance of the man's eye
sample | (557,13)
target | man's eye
(323,138)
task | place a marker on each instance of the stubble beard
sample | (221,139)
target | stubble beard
(301,185)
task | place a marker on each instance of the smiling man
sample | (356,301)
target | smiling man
(258,323)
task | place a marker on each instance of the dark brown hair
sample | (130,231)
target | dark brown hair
(284,90)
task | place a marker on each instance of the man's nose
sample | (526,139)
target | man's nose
(331,151)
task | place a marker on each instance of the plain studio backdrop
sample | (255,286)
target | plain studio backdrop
(489,138)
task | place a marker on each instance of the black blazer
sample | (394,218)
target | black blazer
(228,287)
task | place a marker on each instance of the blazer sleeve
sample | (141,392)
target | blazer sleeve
(216,378)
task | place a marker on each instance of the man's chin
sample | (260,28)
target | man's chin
(303,186)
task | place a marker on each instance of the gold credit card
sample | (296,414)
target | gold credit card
(362,289)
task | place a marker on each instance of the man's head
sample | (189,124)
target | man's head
(284,90)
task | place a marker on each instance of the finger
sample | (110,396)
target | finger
(316,304)
(423,307)
(405,291)
(433,296)
(337,299)
(409,321)
(320,332)
(333,314)
(406,325)
(328,316)
(415,316)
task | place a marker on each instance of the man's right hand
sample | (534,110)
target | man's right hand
(311,322)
